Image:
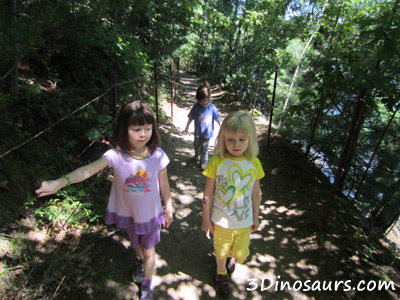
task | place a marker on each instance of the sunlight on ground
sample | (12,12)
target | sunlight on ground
(185,137)
(188,288)
(281,209)
(264,267)
(307,244)
(185,199)
(121,290)
(303,264)
(184,151)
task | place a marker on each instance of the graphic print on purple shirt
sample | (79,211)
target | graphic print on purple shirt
(138,183)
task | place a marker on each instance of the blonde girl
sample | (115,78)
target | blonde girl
(140,174)
(232,195)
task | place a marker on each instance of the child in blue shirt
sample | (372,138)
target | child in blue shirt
(203,113)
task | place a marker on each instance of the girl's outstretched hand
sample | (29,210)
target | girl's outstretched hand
(206,226)
(49,187)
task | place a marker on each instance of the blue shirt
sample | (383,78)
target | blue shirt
(204,120)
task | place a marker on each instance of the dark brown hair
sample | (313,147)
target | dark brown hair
(202,92)
(134,113)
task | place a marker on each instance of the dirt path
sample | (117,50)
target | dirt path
(186,265)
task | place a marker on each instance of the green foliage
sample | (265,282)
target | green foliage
(68,54)
(71,209)
(368,245)
(101,128)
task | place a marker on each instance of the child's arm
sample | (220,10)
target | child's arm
(166,195)
(187,125)
(206,226)
(80,174)
(256,198)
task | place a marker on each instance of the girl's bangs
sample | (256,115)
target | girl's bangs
(141,118)
(237,127)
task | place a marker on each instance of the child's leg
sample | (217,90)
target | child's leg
(222,247)
(223,239)
(138,273)
(204,152)
(146,251)
(240,246)
(139,252)
(221,265)
(197,147)
(144,246)
(149,262)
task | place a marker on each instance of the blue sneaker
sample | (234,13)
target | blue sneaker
(138,274)
(147,294)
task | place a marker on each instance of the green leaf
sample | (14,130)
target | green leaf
(93,134)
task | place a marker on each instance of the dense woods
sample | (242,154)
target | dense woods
(67,66)
(58,56)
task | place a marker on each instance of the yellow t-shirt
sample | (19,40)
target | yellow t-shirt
(232,205)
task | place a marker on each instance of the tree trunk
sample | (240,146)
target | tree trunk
(14,67)
(113,75)
(156,90)
(258,85)
(113,95)
(353,147)
(375,151)
(172,88)
(343,157)
(272,105)
(315,124)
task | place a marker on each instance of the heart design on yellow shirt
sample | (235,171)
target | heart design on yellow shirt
(242,180)
(225,196)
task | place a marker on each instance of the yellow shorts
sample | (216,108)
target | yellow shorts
(232,243)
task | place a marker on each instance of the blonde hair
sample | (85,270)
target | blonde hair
(237,122)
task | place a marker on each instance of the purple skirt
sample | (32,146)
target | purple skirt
(129,222)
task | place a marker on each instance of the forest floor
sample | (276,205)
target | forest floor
(291,257)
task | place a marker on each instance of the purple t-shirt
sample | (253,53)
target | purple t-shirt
(135,194)
(204,120)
